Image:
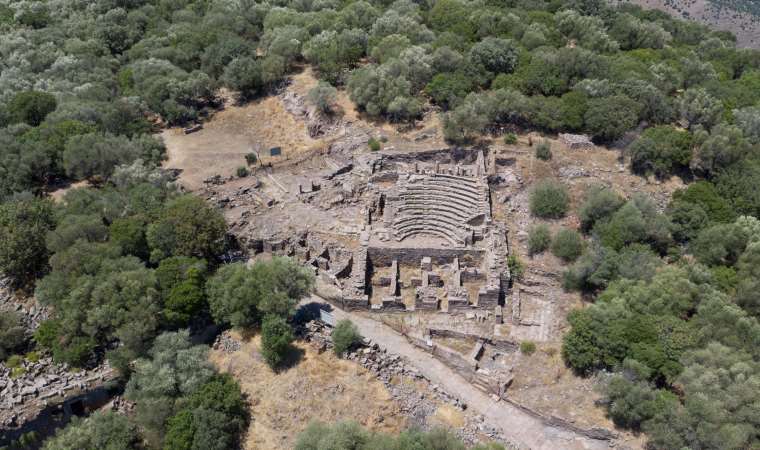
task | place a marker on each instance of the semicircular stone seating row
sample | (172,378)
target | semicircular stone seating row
(441,206)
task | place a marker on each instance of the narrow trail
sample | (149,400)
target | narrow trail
(520,428)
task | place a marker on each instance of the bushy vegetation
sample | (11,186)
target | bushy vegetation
(544,150)
(345,336)
(549,200)
(539,239)
(319,436)
(85,83)
(567,244)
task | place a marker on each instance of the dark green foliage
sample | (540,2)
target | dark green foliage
(539,239)
(241,172)
(544,150)
(719,245)
(251,158)
(188,226)
(632,403)
(373,144)
(102,430)
(186,300)
(661,150)
(599,204)
(345,336)
(748,277)
(610,117)
(241,296)
(600,265)
(129,234)
(23,227)
(12,334)
(174,270)
(276,337)
(449,89)
(638,320)
(173,370)
(704,195)
(214,417)
(549,200)
(567,244)
(637,221)
(31,107)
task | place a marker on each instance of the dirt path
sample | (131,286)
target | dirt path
(520,428)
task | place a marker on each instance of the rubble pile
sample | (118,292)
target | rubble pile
(226,343)
(31,315)
(419,405)
(41,383)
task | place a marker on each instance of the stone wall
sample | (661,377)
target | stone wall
(411,257)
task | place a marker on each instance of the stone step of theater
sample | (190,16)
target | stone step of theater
(430,229)
(446,197)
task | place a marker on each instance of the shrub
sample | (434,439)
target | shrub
(14,361)
(251,158)
(600,203)
(516,267)
(33,357)
(567,244)
(324,97)
(539,239)
(345,336)
(11,334)
(374,144)
(31,107)
(276,337)
(544,150)
(242,172)
(510,139)
(527,347)
(549,200)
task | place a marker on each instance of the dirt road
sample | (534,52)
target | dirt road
(523,430)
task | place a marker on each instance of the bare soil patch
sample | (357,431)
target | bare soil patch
(319,387)
(220,147)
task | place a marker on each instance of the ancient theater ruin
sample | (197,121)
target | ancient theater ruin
(414,231)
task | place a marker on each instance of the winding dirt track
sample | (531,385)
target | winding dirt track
(522,429)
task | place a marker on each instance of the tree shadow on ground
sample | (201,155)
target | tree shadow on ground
(291,359)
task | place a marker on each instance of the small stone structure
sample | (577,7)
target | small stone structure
(575,141)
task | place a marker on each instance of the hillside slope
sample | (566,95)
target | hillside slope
(741,17)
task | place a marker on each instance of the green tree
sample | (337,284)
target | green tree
(661,150)
(214,417)
(567,244)
(188,226)
(186,300)
(31,107)
(544,150)
(495,54)
(609,118)
(345,336)
(539,239)
(129,234)
(241,296)
(323,96)
(23,227)
(12,334)
(549,200)
(599,203)
(172,370)
(276,337)
(102,430)
(96,155)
